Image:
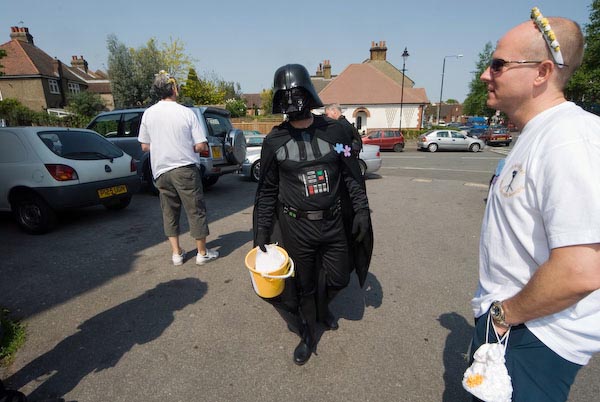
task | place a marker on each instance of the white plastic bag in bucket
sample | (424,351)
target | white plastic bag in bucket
(269,261)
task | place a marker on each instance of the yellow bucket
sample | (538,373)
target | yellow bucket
(269,284)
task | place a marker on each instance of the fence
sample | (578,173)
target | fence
(263,126)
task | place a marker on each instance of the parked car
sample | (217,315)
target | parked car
(386,139)
(496,135)
(227,146)
(369,159)
(474,132)
(450,140)
(251,165)
(49,169)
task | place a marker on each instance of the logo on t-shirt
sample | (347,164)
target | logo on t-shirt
(512,181)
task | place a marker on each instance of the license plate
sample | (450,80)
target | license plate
(110,191)
(216,152)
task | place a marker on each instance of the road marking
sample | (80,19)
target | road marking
(423,180)
(469,184)
(441,170)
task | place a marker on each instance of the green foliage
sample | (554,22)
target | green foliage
(176,62)
(16,114)
(12,339)
(584,86)
(237,107)
(475,103)
(266,98)
(86,104)
(131,72)
(201,92)
(452,102)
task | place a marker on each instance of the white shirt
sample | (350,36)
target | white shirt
(171,130)
(547,196)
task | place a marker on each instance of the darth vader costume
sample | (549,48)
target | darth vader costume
(311,199)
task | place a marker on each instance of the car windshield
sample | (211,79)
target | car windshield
(80,145)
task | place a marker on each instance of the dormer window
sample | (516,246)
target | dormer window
(54,88)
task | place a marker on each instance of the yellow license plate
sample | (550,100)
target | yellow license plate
(110,191)
(216,152)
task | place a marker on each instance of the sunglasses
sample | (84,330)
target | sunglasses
(496,65)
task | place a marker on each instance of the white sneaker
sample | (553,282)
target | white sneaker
(211,254)
(178,258)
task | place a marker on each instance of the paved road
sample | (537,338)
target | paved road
(109,319)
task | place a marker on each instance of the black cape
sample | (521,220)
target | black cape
(335,133)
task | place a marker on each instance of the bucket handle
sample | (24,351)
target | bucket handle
(285,276)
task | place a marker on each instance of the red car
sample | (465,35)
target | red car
(386,139)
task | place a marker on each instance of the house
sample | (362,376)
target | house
(254,104)
(374,94)
(97,81)
(39,81)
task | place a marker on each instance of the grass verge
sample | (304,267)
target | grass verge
(12,337)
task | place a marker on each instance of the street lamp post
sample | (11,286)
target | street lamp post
(442,86)
(404,57)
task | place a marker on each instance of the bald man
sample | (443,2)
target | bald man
(539,265)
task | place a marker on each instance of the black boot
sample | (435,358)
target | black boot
(330,322)
(302,353)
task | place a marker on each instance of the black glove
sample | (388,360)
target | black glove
(360,225)
(262,238)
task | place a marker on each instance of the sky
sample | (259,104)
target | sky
(245,41)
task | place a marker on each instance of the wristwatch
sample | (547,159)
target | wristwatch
(497,314)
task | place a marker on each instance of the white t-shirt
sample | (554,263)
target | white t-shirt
(547,196)
(171,130)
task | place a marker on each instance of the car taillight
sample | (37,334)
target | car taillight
(205,154)
(378,154)
(424,139)
(132,166)
(62,172)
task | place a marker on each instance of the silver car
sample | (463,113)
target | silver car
(450,140)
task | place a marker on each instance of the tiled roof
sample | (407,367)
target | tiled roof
(23,58)
(252,99)
(391,71)
(365,84)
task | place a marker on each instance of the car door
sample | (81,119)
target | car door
(375,139)
(388,140)
(443,140)
(459,141)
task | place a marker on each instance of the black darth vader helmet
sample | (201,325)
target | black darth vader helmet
(293,91)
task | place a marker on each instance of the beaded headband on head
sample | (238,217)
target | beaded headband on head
(548,34)
(170,79)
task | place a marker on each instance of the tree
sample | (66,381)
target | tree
(266,98)
(237,107)
(475,103)
(86,104)
(452,102)
(201,92)
(176,62)
(584,86)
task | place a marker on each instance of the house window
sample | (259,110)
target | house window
(54,88)
(74,88)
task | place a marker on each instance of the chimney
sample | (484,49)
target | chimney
(22,34)
(326,69)
(79,63)
(378,50)
(320,70)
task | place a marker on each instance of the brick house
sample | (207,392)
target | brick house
(39,81)
(371,93)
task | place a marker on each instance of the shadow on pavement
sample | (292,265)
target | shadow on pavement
(455,355)
(103,340)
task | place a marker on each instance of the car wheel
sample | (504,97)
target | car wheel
(363,167)
(118,204)
(255,171)
(398,147)
(33,214)
(474,148)
(208,181)
(432,147)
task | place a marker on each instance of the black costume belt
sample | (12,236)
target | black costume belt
(316,215)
